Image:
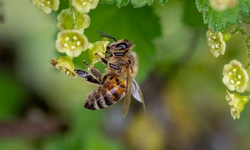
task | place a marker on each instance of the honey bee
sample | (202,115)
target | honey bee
(119,79)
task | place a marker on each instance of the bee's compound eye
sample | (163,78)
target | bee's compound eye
(108,47)
(121,46)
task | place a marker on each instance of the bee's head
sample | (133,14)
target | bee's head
(121,45)
(117,46)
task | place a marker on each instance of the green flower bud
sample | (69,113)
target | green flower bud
(216,43)
(67,21)
(226,37)
(97,47)
(46,5)
(237,103)
(84,6)
(235,76)
(71,42)
(65,65)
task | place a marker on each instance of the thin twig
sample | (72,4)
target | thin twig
(72,9)
(244,36)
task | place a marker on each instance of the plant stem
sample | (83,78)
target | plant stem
(71,58)
(244,36)
(247,66)
(234,31)
(72,9)
(245,21)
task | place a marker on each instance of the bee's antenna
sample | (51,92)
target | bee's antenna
(106,35)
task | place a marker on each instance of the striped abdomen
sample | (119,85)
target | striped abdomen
(106,95)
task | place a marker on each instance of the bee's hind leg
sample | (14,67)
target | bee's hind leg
(89,78)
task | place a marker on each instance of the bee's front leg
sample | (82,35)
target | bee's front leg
(103,60)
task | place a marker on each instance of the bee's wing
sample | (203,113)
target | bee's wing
(127,99)
(137,94)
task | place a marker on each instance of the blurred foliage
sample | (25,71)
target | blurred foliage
(11,91)
(180,80)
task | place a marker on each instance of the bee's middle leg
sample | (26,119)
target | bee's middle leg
(94,72)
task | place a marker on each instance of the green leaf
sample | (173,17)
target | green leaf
(16,143)
(141,3)
(162,2)
(244,6)
(12,95)
(121,3)
(135,3)
(128,23)
(107,1)
(217,21)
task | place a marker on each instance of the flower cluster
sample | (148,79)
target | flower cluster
(216,43)
(71,39)
(236,78)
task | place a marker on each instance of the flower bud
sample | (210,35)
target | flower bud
(66,20)
(65,65)
(98,47)
(237,103)
(216,43)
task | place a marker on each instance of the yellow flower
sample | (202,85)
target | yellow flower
(46,5)
(71,42)
(235,76)
(84,6)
